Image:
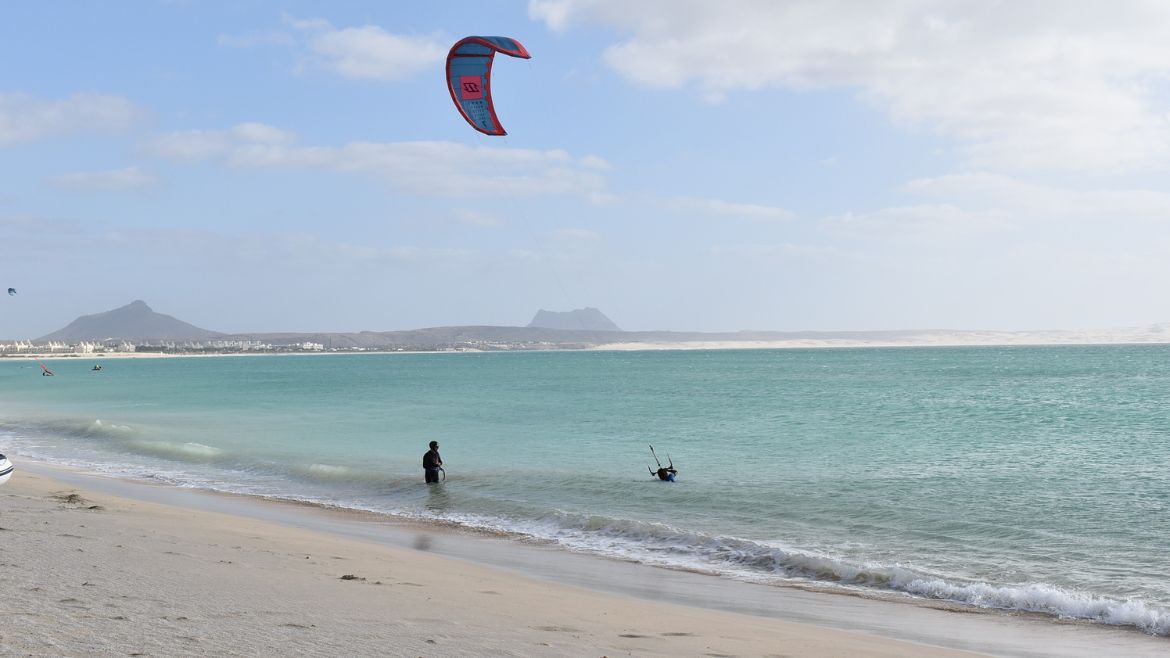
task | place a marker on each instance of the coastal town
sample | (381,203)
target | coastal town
(113,347)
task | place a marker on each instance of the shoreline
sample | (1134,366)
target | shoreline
(941,341)
(827,616)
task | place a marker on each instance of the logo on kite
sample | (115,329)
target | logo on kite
(469,78)
(12,291)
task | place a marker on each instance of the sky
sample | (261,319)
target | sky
(685,165)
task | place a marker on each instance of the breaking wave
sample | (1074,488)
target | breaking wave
(667,546)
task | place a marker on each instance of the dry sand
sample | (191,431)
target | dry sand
(85,574)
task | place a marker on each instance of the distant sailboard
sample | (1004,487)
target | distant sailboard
(44,369)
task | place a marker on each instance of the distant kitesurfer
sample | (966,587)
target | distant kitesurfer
(432,463)
(664,473)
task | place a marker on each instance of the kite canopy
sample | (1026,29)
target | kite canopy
(469,78)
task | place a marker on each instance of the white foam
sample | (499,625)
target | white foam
(663,545)
(1049,599)
(326,471)
(108,429)
(189,450)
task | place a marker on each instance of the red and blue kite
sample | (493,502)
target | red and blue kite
(469,78)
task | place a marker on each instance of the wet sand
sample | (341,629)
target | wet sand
(97,566)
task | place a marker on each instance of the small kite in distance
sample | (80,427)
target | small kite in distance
(469,78)
(12,291)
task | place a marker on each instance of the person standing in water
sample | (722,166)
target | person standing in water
(432,463)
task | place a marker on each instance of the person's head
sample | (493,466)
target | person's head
(434,445)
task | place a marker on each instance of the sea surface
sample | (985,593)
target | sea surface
(1016,478)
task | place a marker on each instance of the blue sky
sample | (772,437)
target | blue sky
(297,166)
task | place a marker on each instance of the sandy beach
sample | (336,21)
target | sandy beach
(94,574)
(87,572)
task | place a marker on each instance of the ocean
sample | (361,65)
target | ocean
(1013,478)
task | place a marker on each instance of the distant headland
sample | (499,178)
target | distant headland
(136,329)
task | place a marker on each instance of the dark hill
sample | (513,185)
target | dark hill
(134,321)
(582,319)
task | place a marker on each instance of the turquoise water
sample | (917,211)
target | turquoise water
(1015,478)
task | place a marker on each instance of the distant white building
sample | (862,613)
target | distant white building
(311,347)
(17,347)
(239,344)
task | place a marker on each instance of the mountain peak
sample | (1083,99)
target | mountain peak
(588,319)
(134,321)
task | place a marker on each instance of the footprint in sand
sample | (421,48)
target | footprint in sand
(69,498)
(558,629)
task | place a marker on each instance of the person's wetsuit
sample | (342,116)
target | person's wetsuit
(432,464)
(666,474)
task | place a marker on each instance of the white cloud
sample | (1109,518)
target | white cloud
(729,209)
(986,249)
(313,24)
(27,226)
(369,52)
(920,222)
(1077,85)
(190,144)
(595,162)
(25,118)
(575,246)
(786,251)
(203,144)
(431,168)
(984,190)
(114,180)
(476,218)
(578,235)
(297,249)
(261,133)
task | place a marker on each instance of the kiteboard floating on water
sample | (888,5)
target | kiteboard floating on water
(6,469)
(469,78)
